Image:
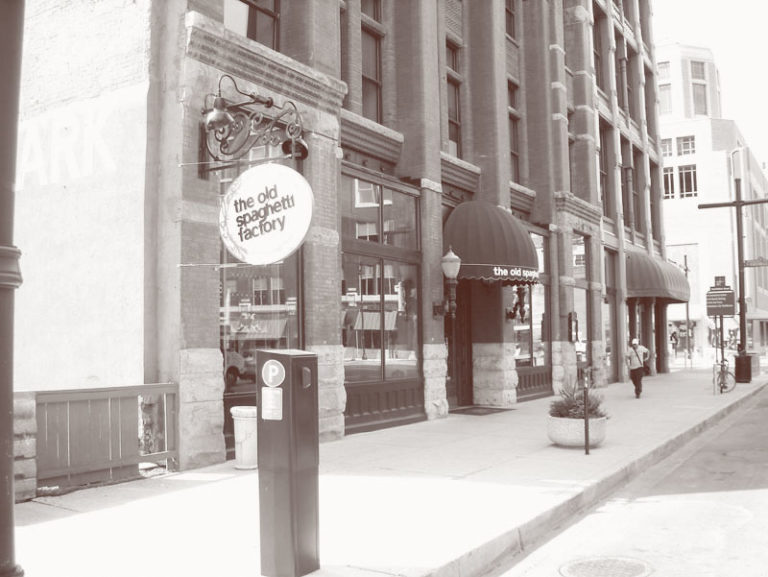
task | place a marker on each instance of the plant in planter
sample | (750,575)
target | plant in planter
(565,426)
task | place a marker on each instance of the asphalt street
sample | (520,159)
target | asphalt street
(702,511)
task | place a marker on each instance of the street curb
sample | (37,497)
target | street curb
(501,551)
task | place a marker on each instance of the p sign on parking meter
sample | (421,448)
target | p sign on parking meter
(273,375)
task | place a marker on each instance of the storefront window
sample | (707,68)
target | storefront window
(529,316)
(379,319)
(380,287)
(580,297)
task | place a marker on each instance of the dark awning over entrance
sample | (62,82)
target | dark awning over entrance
(650,277)
(492,244)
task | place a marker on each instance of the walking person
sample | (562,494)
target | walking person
(636,357)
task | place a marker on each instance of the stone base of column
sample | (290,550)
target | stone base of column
(435,374)
(493,374)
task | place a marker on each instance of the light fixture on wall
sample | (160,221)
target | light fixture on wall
(233,128)
(451,263)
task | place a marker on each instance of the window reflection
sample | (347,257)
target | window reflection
(378,214)
(379,319)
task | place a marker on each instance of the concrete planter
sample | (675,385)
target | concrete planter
(567,432)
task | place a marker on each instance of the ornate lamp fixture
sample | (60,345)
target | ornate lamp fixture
(451,263)
(233,128)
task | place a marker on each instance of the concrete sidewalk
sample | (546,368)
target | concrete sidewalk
(450,497)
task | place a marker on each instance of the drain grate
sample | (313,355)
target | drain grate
(606,567)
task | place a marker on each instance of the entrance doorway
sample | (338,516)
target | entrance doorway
(459,384)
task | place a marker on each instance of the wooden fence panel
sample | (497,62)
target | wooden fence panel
(94,436)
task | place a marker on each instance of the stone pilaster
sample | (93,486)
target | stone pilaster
(201,408)
(493,374)
(435,373)
(332,394)
(564,369)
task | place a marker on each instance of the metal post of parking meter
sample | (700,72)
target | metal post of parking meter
(288,460)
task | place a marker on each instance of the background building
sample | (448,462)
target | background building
(523,135)
(703,155)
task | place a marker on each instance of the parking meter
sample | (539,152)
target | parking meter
(288,460)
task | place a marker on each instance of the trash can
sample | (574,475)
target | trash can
(246,441)
(743,368)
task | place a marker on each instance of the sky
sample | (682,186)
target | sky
(736,33)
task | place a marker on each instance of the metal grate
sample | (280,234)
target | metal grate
(606,567)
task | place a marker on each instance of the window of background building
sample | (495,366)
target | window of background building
(666,147)
(699,87)
(371,34)
(255,19)
(662,71)
(687,178)
(514,133)
(509,13)
(669,182)
(665,98)
(453,87)
(686,145)
(380,285)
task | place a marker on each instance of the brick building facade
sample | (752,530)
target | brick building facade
(546,109)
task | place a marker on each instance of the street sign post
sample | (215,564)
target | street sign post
(721,302)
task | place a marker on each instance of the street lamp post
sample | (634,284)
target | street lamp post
(11,33)
(451,263)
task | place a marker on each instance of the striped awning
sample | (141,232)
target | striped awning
(491,243)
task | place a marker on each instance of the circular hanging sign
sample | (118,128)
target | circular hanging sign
(265,214)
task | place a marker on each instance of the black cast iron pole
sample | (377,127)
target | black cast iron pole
(11,34)
(742,345)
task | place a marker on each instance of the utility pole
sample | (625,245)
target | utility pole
(11,34)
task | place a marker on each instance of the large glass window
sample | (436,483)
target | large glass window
(378,214)
(258,310)
(380,319)
(380,289)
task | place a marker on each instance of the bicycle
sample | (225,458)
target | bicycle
(722,378)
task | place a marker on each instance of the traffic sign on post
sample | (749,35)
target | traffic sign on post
(721,302)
